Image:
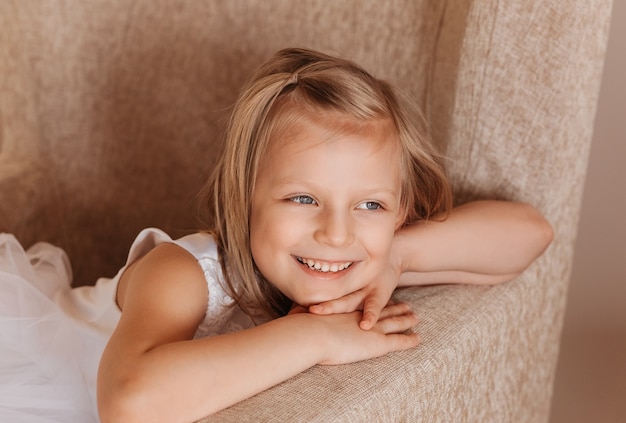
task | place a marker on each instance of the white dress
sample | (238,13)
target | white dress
(52,336)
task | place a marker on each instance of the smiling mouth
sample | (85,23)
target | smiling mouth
(324,267)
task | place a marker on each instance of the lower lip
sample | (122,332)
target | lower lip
(325,275)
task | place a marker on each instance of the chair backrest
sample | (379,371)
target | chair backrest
(117,108)
(112,112)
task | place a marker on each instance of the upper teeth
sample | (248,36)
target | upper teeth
(323,266)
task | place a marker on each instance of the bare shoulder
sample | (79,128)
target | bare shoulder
(164,291)
(166,264)
(163,298)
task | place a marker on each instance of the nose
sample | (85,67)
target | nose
(334,228)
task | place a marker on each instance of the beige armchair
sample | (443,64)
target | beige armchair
(111,115)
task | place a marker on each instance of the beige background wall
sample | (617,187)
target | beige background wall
(591,377)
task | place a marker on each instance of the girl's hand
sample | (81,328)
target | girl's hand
(372,299)
(348,343)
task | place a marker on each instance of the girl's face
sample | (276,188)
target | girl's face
(325,208)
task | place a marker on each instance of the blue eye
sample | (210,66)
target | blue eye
(303,199)
(369,205)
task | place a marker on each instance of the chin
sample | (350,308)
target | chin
(315,299)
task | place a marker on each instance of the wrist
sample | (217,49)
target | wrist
(313,332)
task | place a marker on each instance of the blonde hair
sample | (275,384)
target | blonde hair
(317,83)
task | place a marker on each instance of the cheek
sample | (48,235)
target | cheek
(271,233)
(257,236)
(255,247)
(265,228)
(260,248)
(379,241)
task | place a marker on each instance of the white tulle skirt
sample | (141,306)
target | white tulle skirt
(48,360)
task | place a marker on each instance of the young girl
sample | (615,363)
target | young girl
(327,198)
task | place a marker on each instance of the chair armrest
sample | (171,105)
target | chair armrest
(481,347)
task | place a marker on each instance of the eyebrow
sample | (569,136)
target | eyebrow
(284,181)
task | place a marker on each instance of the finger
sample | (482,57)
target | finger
(394,310)
(397,323)
(346,304)
(401,342)
(371,312)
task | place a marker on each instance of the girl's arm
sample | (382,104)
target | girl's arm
(152,370)
(483,242)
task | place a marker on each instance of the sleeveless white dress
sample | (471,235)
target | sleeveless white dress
(52,336)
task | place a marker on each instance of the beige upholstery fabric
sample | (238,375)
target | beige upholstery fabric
(111,114)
